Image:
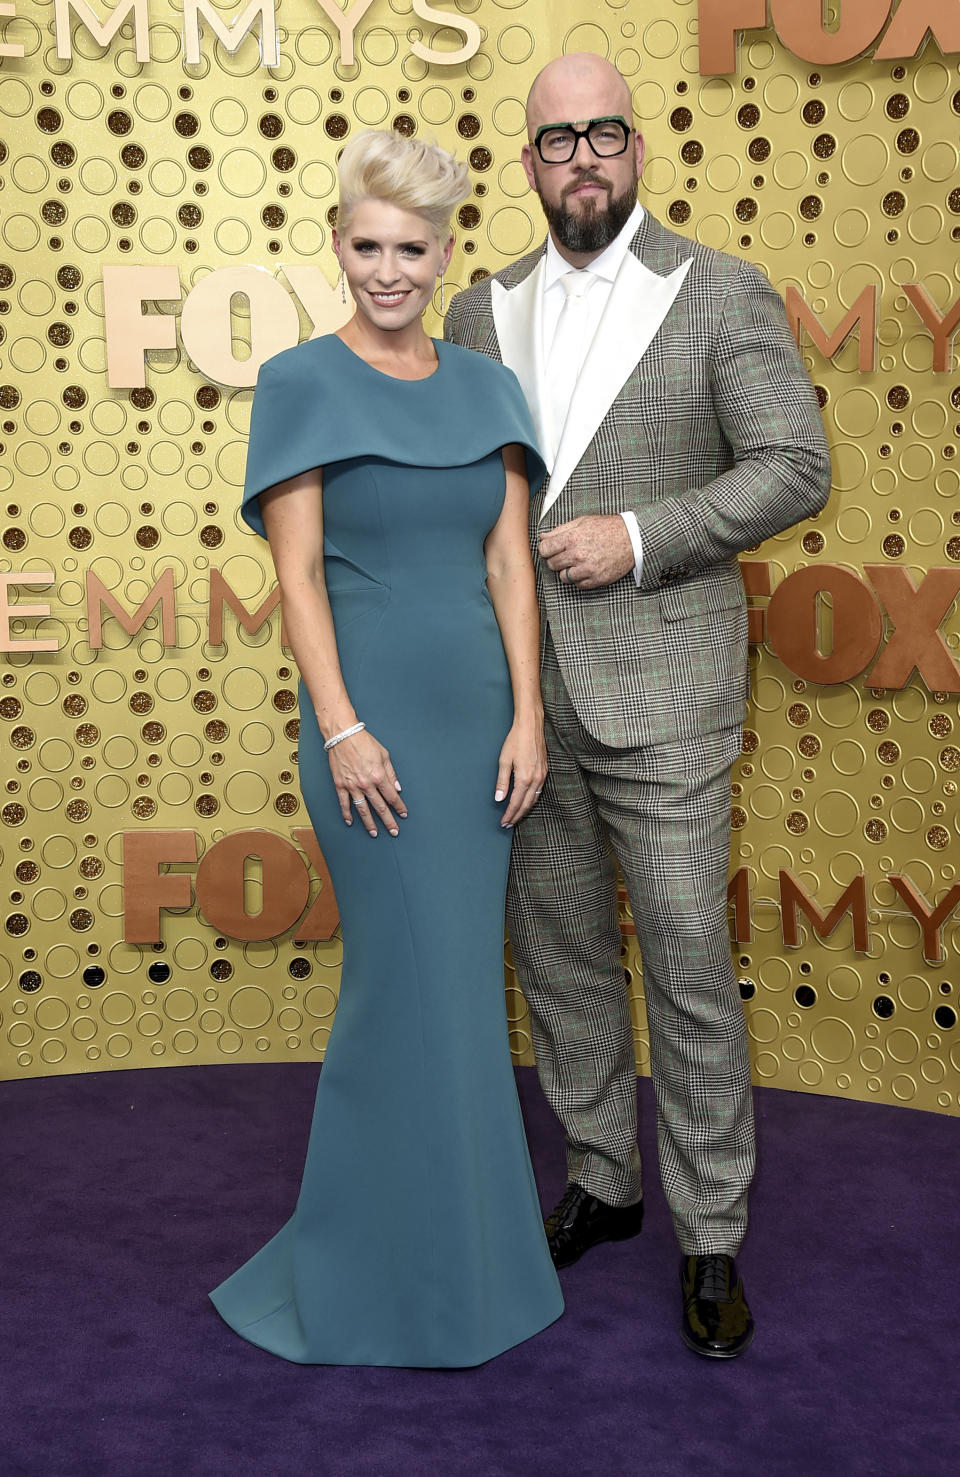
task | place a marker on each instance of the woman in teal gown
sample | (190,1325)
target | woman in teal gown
(390,473)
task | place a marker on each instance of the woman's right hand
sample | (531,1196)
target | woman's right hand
(365,778)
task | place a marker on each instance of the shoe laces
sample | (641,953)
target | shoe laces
(568,1206)
(713,1277)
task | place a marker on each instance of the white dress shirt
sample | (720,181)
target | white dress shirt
(603,269)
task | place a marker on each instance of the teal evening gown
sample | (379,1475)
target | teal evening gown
(417,1237)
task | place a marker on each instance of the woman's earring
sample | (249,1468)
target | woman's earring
(441,294)
(343,285)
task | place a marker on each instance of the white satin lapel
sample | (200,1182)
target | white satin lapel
(518,319)
(639,301)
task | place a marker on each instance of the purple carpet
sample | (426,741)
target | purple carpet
(128,1195)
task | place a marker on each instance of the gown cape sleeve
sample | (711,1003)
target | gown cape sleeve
(320,403)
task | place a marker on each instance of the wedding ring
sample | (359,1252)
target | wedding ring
(360,802)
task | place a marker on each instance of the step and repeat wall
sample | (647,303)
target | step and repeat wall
(168,190)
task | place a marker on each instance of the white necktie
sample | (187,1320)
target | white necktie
(567,350)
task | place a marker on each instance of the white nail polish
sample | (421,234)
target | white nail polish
(499,795)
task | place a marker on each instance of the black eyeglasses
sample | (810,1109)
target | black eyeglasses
(556,143)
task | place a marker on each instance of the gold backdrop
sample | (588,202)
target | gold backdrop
(163,901)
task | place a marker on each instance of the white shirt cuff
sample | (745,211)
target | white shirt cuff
(636,543)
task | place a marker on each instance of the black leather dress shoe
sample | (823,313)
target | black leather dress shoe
(716,1319)
(581,1221)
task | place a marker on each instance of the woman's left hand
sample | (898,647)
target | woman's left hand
(524,759)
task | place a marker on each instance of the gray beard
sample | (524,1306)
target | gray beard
(595,227)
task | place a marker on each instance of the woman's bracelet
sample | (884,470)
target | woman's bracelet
(338,738)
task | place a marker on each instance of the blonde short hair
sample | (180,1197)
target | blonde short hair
(381,164)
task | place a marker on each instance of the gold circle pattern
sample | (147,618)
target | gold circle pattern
(833,182)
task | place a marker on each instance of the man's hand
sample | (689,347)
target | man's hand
(589,552)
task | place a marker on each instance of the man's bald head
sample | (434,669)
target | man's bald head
(580,85)
(589,197)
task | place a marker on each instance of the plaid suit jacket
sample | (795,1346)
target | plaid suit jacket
(715,441)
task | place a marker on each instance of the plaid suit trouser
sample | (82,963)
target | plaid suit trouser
(663,813)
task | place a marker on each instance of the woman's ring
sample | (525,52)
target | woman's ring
(360,801)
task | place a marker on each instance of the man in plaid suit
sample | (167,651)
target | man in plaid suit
(680,429)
